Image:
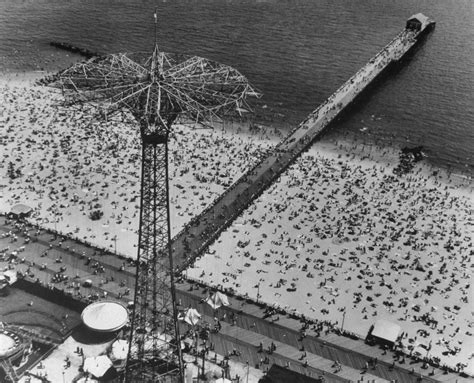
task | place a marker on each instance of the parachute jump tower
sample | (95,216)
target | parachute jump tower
(155,90)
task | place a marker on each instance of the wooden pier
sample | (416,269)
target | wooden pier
(204,229)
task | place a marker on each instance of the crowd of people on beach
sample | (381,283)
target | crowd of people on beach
(335,235)
(338,236)
(82,176)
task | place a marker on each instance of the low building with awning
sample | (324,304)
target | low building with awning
(384,332)
(20,210)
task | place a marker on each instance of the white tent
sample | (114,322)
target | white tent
(20,210)
(191,317)
(217,300)
(386,330)
(97,366)
(119,350)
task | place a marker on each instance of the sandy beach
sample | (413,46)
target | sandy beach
(340,236)
(66,166)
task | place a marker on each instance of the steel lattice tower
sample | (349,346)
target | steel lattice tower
(154,326)
(154,315)
(155,90)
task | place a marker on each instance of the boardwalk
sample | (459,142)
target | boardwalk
(329,346)
(250,327)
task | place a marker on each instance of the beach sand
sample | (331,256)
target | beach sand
(66,165)
(70,165)
(339,233)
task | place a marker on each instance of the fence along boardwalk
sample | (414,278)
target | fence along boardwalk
(330,346)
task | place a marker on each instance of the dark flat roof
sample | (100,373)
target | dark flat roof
(278,374)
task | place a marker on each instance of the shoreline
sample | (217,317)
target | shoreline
(28,78)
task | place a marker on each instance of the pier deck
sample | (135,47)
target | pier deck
(205,228)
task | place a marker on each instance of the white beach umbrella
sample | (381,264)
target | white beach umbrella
(97,366)
(191,317)
(217,300)
(21,209)
(119,350)
(223,380)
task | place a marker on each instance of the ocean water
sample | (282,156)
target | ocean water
(296,52)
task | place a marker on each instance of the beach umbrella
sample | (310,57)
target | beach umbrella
(191,316)
(97,366)
(119,349)
(217,300)
(223,380)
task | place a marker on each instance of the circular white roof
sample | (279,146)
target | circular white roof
(105,316)
(7,344)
